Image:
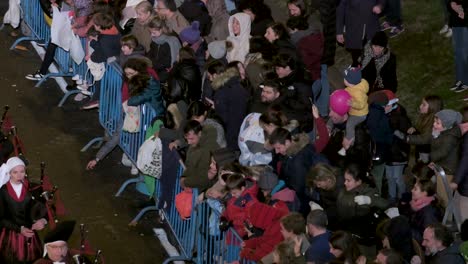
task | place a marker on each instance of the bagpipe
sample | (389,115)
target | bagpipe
(44,191)
(48,194)
(6,146)
(85,254)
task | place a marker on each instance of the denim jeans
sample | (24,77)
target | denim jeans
(460,47)
(321,91)
(395,181)
(393,12)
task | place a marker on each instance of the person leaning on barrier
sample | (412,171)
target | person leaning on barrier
(201,141)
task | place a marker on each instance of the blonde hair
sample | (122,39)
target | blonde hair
(144,6)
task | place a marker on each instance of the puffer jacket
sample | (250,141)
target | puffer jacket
(358,92)
(230,102)
(445,149)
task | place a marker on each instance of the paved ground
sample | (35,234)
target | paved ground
(56,135)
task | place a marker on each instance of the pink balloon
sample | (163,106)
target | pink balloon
(339,101)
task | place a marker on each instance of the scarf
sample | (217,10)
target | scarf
(173,43)
(379,62)
(417,205)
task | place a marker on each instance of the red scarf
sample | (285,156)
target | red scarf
(13,195)
(417,205)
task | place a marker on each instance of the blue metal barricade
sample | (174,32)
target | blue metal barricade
(34,18)
(213,246)
(184,231)
(110,102)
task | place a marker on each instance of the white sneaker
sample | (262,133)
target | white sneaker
(76,77)
(134,170)
(126,161)
(86,92)
(444,29)
(79,97)
(449,33)
(342,152)
(83,87)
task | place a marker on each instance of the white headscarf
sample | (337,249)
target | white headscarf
(7,167)
(240,43)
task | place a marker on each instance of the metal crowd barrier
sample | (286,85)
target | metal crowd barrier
(451,211)
(110,102)
(184,231)
(33,17)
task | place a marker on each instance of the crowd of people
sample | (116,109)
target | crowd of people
(303,175)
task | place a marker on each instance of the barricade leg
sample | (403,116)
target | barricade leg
(92,142)
(141,213)
(65,97)
(126,183)
(22,39)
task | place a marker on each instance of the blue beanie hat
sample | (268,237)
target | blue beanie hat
(353,75)
(190,34)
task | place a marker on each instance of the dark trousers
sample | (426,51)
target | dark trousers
(48,58)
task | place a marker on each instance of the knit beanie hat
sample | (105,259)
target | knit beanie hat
(380,39)
(449,118)
(190,34)
(217,49)
(353,75)
(268,179)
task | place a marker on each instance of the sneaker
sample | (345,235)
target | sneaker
(449,33)
(134,170)
(126,161)
(342,152)
(82,87)
(91,105)
(461,88)
(35,76)
(444,29)
(79,97)
(396,31)
(86,92)
(76,77)
(385,26)
(455,86)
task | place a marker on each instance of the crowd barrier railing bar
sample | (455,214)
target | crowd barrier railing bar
(451,212)
(33,17)
(110,103)
(76,69)
(184,230)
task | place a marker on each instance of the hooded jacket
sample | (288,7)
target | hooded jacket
(294,166)
(251,142)
(240,43)
(230,102)
(358,92)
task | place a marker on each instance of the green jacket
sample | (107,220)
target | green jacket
(199,159)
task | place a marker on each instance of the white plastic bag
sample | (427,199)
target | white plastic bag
(149,159)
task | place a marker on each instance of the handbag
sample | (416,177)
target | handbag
(183,203)
(132,118)
(149,159)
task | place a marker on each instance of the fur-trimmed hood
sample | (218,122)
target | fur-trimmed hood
(222,78)
(299,141)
